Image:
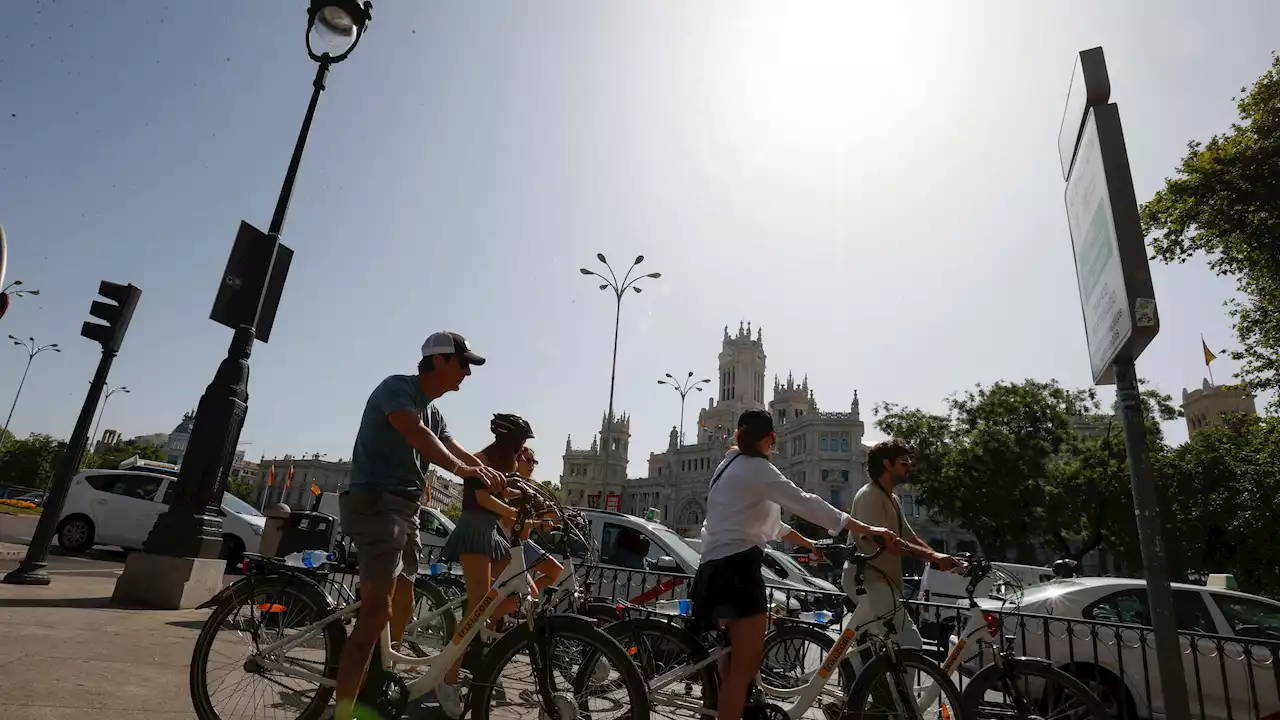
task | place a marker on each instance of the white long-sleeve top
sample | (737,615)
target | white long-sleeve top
(744,507)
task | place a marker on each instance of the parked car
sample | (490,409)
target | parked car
(1230,667)
(35,498)
(948,587)
(119,507)
(668,553)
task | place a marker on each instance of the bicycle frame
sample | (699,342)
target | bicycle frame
(512,581)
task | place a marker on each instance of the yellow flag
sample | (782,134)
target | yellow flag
(1208,354)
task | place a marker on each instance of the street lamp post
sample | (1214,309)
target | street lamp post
(103,410)
(9,292)
(32,351)
(619,289)
(683,387)
(186,541)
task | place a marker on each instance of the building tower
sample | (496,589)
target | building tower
(790,401)
(618,435)
(742,369)
(1207,406)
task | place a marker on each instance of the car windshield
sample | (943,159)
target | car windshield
(231,503)
(685,555)
(1047,591)
(790,563)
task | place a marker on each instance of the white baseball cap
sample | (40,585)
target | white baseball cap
(450,343)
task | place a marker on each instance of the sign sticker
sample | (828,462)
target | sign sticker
(1144,312)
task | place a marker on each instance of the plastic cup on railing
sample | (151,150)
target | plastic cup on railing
(436,569)
(822,616)
(684,606)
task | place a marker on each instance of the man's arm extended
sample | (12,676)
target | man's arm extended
(408,424)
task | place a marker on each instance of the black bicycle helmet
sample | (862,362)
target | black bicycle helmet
(506,425)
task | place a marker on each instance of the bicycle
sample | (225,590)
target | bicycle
(288,600)
(1031,687)
(889,661)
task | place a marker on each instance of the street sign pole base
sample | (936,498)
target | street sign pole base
(28,573)
(164,582)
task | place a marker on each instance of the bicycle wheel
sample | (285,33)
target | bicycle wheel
(991,694)
(916,688)
(621,688)
(275,607)
(429,599)
(793,653)
(658,647)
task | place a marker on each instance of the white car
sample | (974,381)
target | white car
(1226,639)
(668,553)
(119,507)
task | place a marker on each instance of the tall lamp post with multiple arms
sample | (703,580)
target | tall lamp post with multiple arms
(185,543)
(619,289)
(32,351)
(683,387)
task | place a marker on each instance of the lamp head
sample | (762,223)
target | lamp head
(334,28)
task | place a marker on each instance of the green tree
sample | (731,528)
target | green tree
(30,462)
(551,489)
(242,489)
(112,456)
(986,463)
(453,511)
(1223,202)
(1222,490)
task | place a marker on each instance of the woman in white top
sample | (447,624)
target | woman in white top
(744,512)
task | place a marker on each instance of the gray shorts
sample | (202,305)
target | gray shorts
(384,528)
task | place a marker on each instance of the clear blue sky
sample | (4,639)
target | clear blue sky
(874,184)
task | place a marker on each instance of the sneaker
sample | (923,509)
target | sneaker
(450,699)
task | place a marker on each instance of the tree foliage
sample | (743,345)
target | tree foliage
(1222,491)
(1029,464)
(1224,201)
(113,455)
(30,462)
(453,511)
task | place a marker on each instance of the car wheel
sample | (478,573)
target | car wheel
(232,551)
(1107,687)
(75,534)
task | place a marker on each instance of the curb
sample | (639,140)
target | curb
(12,552)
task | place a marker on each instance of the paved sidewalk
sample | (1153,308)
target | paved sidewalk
(65,650)
(12,551)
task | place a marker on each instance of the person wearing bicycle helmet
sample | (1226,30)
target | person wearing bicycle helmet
(401,434)
(744,512)
(478,542)
(543,568)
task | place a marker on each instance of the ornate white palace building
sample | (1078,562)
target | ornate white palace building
(820,451)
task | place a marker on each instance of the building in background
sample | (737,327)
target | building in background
(157,439)
(445,490)
(330,476)
(175,446)
(109,438)
(821,452)
(1208,406)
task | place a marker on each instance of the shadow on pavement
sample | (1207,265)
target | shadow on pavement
(98,602)
(187,624)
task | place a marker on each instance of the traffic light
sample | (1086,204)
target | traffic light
(116,316)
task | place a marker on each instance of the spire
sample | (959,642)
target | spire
(739,328)
(791,381)
(759,336)
(748,328)
(568,443)
(726,332)
(805,384)
(853,406)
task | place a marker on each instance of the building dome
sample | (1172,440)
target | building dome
(184,427)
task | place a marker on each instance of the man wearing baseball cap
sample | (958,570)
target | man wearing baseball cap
(401,434)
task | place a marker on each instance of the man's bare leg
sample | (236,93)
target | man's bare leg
(401,607)
(374,613)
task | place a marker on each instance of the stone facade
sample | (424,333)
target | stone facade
(582,476)
(175,446)
(820,451)
(1207,406)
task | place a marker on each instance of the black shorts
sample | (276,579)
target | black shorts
(729,588)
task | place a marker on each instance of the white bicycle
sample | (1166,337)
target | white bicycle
(294,636)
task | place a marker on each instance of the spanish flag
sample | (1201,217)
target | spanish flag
(271,476)
(1208,354)
(315,489)
(288,478)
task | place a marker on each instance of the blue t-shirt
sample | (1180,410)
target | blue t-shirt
(383,459)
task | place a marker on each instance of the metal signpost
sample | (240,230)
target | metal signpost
(1120,319)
